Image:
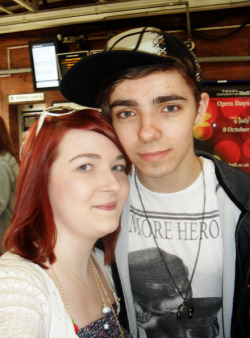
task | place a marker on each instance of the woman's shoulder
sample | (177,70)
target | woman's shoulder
(14,261)
(23,285)
(20,273)
(25,297)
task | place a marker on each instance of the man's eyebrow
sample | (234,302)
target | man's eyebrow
(94,156)
(127,103)
(157,100)
(167,98)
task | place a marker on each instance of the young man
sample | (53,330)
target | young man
(183,251)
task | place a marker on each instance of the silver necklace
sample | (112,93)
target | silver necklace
(185,303)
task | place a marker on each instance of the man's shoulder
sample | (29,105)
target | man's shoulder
(224,168)
(235,182)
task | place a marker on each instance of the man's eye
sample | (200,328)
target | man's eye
(126,113)
(170,109)
(85,167)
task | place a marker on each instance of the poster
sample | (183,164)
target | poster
(225,129)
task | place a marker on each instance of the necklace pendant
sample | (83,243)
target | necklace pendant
(190,312)
(178,315)
(106,309)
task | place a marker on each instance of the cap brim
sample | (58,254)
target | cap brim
(82,82)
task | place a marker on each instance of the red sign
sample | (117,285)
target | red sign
(225,130)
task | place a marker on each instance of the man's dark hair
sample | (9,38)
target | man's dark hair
(171,65)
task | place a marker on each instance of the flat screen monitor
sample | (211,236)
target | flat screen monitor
(43,55)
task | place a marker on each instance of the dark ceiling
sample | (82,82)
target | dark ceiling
(199,16)
(18,7)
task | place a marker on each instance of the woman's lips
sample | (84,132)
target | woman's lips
(106,206)
(155,156)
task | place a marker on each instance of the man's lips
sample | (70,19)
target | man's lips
(106,206)
(154,156)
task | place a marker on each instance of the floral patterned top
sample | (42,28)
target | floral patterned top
(105,327)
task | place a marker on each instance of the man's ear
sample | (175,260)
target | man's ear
(202,108)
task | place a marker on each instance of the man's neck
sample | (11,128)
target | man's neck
(174,181)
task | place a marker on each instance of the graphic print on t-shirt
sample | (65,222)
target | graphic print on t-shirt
(177,231)
(157,299)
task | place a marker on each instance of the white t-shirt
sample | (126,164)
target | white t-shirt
(177,222)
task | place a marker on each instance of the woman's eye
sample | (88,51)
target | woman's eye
(119,167)
(85,167)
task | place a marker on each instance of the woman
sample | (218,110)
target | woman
(71,190)
(8,177)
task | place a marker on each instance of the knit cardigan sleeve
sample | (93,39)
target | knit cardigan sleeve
(24,299)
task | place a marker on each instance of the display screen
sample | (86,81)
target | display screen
(225,129)
(43,56)
(67,60)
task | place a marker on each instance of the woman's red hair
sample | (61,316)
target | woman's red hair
(32,233)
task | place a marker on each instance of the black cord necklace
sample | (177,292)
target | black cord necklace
(185,303)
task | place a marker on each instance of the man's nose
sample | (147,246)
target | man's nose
(149,129)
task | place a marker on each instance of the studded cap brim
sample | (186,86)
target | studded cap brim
(137,47)
(82,83)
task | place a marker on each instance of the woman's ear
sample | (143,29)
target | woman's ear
(202,108)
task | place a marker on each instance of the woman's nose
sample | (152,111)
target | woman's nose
(111,182)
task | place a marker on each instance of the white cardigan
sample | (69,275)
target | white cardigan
(30,303)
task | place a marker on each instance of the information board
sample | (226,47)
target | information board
(67,60)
